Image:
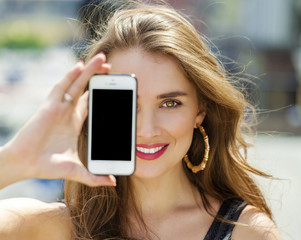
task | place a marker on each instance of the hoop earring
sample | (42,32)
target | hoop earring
(202,165)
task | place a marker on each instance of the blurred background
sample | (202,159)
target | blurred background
(264,36)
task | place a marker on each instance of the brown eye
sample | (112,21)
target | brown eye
(170,104)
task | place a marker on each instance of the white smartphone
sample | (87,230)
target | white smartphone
(112,124)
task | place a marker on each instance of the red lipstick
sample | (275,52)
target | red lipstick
(150,152)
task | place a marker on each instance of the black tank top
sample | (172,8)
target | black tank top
(230,210)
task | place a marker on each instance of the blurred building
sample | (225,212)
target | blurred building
(266,37)
(53,8)
(35,51)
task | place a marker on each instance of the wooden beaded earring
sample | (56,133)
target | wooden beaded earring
(202,165)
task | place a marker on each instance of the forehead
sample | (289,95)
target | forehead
(156,73)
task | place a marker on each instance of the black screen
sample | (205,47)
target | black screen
(111,124)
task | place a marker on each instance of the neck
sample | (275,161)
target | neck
(164,194)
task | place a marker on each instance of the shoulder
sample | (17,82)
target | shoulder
(25,218)
(254,224)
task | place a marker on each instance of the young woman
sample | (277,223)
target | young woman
(191,180)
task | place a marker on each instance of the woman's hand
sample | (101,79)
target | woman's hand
(46,147)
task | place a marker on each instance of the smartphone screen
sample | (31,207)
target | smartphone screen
(111,133)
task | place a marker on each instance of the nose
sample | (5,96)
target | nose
(147,124)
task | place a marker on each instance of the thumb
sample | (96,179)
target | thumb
(82,175)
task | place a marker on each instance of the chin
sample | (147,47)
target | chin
(153,170)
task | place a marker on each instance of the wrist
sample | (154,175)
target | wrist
(11,169)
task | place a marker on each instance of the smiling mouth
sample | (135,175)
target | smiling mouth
(150,152)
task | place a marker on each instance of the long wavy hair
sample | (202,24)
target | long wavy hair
(102,212)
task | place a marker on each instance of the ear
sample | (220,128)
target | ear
(199,118)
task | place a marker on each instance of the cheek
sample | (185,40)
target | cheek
(178,124)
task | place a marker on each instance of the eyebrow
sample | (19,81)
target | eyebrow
(171,94)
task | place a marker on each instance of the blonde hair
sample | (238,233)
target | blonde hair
(100,212)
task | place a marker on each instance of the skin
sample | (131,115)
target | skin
(46,147)
(157,76)
(52,134)
(161,185)
(170,205)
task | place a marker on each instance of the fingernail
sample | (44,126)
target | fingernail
(107,65)
(79,63)
(113,180)
(102,53)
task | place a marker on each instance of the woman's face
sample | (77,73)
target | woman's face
(167,110)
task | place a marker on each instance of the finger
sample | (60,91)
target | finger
(82,175)
(82,108)
(106,67)
(95,181)
(96,65)
(61,87)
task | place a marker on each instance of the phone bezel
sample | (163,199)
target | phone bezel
(112,81)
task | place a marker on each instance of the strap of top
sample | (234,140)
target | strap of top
(230,210)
